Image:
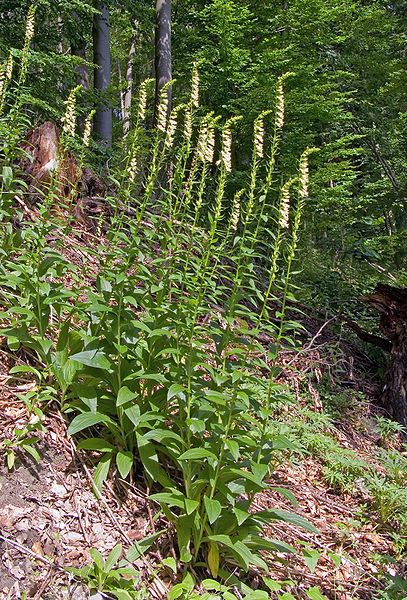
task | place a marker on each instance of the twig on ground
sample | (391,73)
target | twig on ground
(29,552)
(161,588)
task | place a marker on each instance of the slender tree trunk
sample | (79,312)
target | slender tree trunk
(127,94)
(82,74)
(163,68)
(103,121)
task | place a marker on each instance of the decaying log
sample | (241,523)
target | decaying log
(366,336)
(391,302)
(45,159)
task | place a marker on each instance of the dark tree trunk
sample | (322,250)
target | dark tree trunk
(391,303)
(101,58)
(82,74)
(163,68)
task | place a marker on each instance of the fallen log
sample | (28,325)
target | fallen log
(391,303)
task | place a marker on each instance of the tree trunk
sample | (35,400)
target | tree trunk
(391,302)
(101,57)
(127,94)
(82,74)
(163,68)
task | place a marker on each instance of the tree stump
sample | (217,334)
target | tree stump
(391,302)
(45,158)
(45,161)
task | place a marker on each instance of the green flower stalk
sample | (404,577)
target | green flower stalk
(234,214)
(162,111)
(226,166)
(198,159)
(279,118)
(303,180)
(87,130)
(258,152)
(29,34)
(283,222)
(195,87)
(177,186)
(172,127)
(69,118)
(202,281)
(158,152)
(6,73)
(142,102)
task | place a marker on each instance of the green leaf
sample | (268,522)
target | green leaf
(11,457)
(213,509)
(113,557)
(283,515)
(124,462)
(157,377)
(102,471)
(197,454)
(85,420)
(97,558)
(311,558)
(149,458)
(175,390)
(98,444)
(190,505)
(273,585)
(159,435)
(47,262)
(336,558)
(93,358)
(184,529)
(25,369)
(7,176)
(213,559)
(216,397)
(32,451)
(241,515)
(142,546)
(169,499)
(257,595)
(287,494)
(121,594)
(195,425)
(171,563)
(125,395)
(314,594)
(233,447)
(134,414)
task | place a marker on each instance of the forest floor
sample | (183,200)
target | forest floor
(50,517)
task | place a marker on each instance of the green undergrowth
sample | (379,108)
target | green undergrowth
(153,358)
(148,343)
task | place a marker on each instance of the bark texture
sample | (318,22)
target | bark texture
(128,92)
(101,57)
(391,302)
(163,64)
(47,161)
(78,49)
